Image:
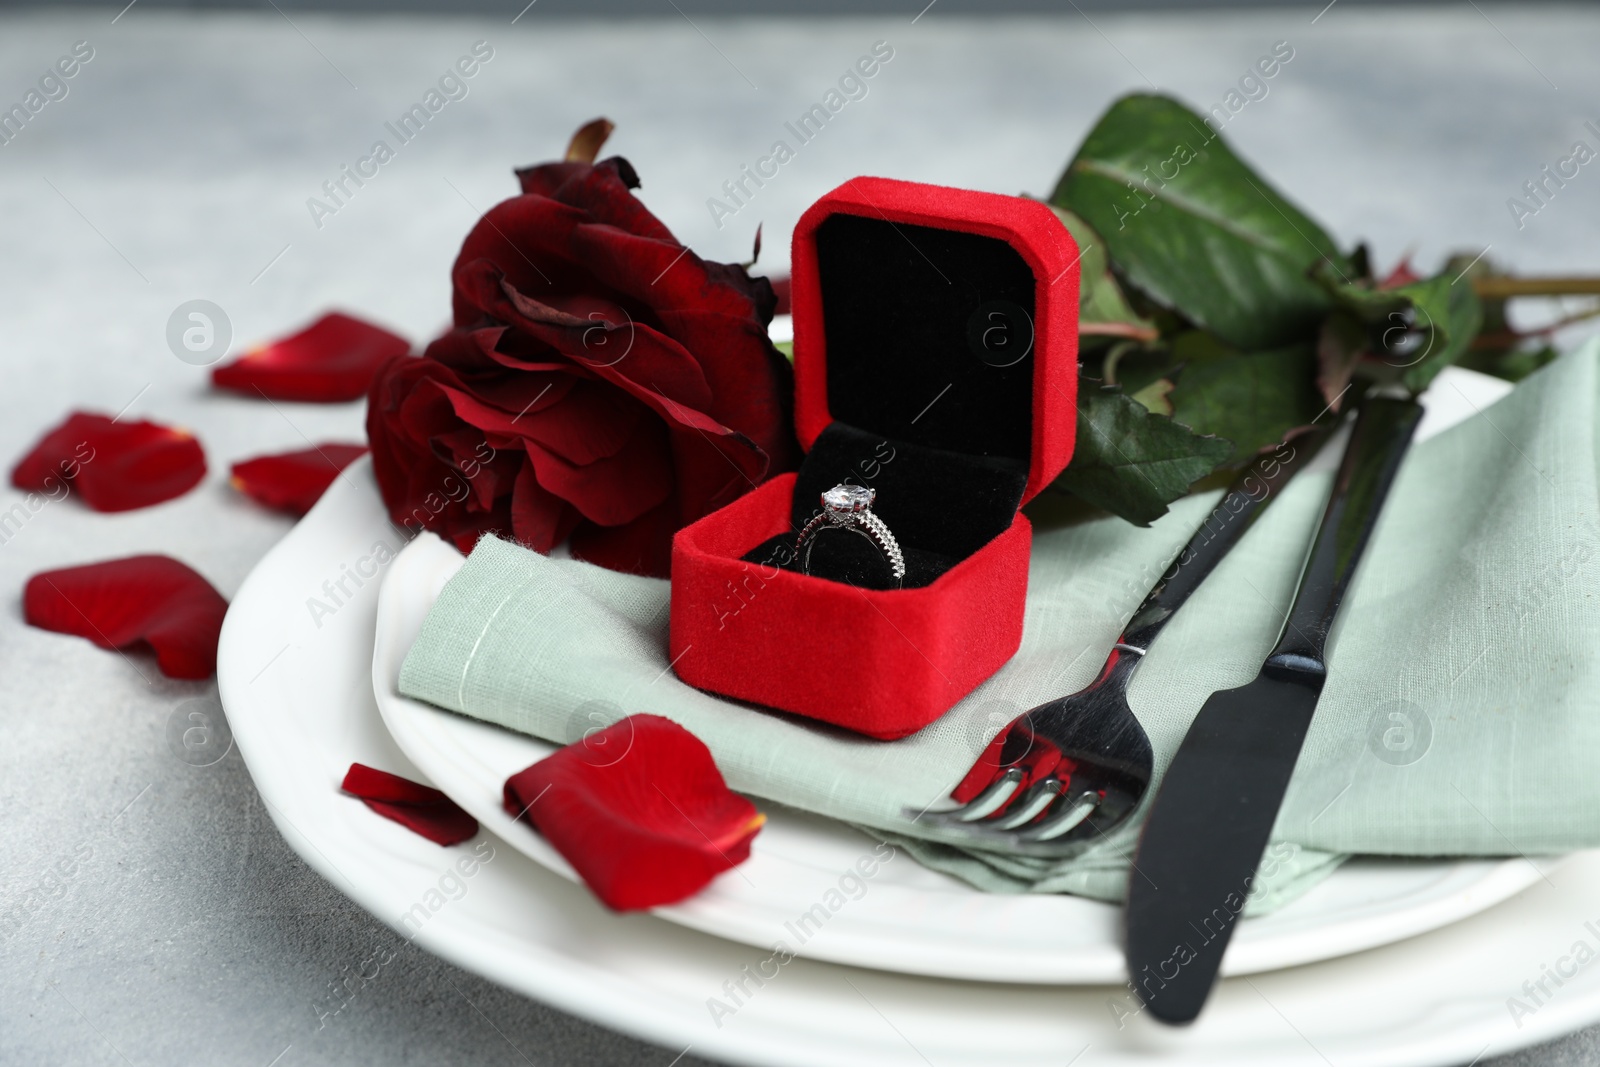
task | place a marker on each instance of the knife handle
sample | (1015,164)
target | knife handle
(1378,442)
(1239,507)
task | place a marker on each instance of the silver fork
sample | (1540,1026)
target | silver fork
(1060,776)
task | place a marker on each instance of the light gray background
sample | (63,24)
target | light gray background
(178,167)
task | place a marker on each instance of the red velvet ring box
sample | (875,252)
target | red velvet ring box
(936,335)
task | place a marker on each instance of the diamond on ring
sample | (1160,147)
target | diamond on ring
(844,500)
(849,507)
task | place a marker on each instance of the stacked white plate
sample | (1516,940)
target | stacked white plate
(1387,962)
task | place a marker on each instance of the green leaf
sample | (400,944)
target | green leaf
(1250,398)
(1195,229)
(1498,348)
(1416,329)
(1133,463)
(1153,397)
(1134,366)
(1452,316)
(1100,298)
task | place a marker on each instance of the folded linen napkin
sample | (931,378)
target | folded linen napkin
(1461,714)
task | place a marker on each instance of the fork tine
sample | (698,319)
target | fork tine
(1102,750)
(1077,810)
(989,801)
(1030,805)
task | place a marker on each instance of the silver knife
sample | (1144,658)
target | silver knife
(1208,825)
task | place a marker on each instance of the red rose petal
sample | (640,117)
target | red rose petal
(419,808)
(593,423)
(331,360)
(714,311)
(580,326)
(408,413)
(780,290)
(640,811)
(539,519)
(612,491)
(530,263)
(621,470)
(643,546)
(115,466)
(545,178)
(603,190)
(294,481)
(154,600)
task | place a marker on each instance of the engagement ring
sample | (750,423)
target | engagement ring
(849,507)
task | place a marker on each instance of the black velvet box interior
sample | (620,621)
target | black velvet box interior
(929,356)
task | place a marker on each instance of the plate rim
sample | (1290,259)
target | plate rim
(617,997)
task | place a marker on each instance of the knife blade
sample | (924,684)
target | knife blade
(1209,823)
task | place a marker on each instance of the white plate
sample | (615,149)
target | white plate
(299,699)
(915,920)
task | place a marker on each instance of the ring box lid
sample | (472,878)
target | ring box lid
(943,318)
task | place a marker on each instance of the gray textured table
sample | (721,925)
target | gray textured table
(178,166)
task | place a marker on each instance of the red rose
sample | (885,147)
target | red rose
(601,380)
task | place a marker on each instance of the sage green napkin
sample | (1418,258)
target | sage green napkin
(1461,714)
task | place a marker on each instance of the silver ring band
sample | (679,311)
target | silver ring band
(849,507)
